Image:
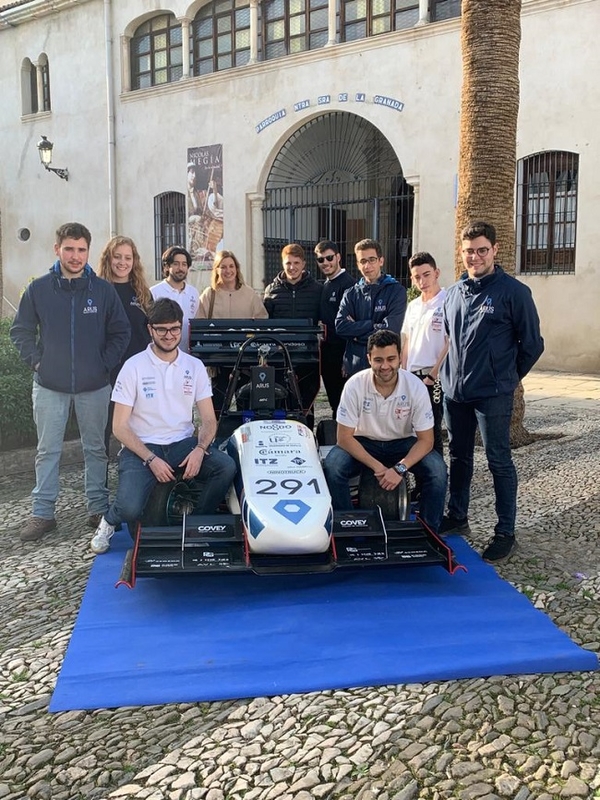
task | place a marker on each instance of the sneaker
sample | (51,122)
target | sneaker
(94,520)
(452,525)
(499,548)
(101,541)
(35,528)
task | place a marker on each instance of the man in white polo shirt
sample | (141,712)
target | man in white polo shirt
(176,263)
(425,345)
(155,396)
(385,423)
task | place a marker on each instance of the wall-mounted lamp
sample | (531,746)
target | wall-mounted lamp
(45,150)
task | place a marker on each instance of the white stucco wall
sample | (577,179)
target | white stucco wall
(560,109)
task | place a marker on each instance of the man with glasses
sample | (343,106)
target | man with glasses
(376,302)
(494,337)
(337,280)
(155,396)
(176,263)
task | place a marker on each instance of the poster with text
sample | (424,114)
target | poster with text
(204,205)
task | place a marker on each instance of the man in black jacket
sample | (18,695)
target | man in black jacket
(337,280)
(72,330)
(494,339)
(294,294)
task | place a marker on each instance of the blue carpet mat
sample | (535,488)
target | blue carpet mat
(213,637)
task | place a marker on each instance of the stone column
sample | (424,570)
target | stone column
(423,13)
(253,32)
(185,44)
(331,34)
(125,63)
(256,260)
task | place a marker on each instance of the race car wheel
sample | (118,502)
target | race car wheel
(167,504)
(394,505)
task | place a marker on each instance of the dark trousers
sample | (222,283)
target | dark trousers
(332,355)
(493,417)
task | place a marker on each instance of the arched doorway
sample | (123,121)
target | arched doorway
(337,177)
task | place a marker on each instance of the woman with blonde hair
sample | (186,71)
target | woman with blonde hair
(121,265)
(228,297)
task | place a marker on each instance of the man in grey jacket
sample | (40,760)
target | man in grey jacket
(72,330)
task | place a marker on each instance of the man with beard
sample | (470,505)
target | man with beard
(155,396)
(176,263)
(385,423)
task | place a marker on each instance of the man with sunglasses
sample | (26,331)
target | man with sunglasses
(494,337)
(337,280)
(155,396)
(376,302)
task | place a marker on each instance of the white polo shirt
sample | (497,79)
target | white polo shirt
(162,395)
(405,411)
(188,299)
(423,324)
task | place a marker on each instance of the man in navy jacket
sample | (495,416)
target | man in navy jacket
(494,340)
(375,303)
(72,330)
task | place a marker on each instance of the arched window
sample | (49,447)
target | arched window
(547,212)
(169,225)
(362,18)
(220,36)
(156,52)
(291,26)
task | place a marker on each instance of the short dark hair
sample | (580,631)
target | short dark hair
(418,259)
(383,338)
(478,228)
(73,230)
(164,310)
(326,244)
(368,244)
(169,256)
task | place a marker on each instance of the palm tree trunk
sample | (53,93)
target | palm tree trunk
(490,43)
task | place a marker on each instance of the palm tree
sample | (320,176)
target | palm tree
(490,42)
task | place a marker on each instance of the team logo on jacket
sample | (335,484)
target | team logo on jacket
(379,306)
(90,308)
(486,307)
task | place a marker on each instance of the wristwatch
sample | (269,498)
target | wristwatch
(401,469)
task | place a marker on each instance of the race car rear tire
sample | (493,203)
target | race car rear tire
(394,504)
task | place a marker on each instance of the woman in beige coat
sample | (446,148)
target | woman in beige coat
(228,297)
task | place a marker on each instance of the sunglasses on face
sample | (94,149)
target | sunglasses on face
(321,259)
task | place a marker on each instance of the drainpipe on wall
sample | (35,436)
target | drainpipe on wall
(110,108)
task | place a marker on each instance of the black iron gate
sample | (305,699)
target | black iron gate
(345,212)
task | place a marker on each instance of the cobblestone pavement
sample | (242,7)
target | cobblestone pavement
(520,737)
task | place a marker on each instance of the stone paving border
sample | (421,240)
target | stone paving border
(517,737)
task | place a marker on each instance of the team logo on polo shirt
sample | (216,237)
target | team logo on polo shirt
(188,382)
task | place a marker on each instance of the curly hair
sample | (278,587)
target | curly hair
(220,256)
(137,279)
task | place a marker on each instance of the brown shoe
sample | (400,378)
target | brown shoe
(35,528)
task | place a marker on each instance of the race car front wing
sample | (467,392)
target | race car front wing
(218,543)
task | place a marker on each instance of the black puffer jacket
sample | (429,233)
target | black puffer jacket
(302,300)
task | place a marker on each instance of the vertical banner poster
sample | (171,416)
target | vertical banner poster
(204,209)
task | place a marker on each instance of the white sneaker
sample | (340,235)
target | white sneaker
(101,541)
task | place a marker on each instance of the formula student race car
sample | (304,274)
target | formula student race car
(279,517)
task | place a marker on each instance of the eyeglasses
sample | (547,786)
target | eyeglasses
(370,260)
(481,251)
(321,259)
(162,331)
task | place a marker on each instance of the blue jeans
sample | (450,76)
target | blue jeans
(340,467)
(493,417)
(137,481)
(51,413)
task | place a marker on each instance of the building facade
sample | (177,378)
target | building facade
(246,124)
